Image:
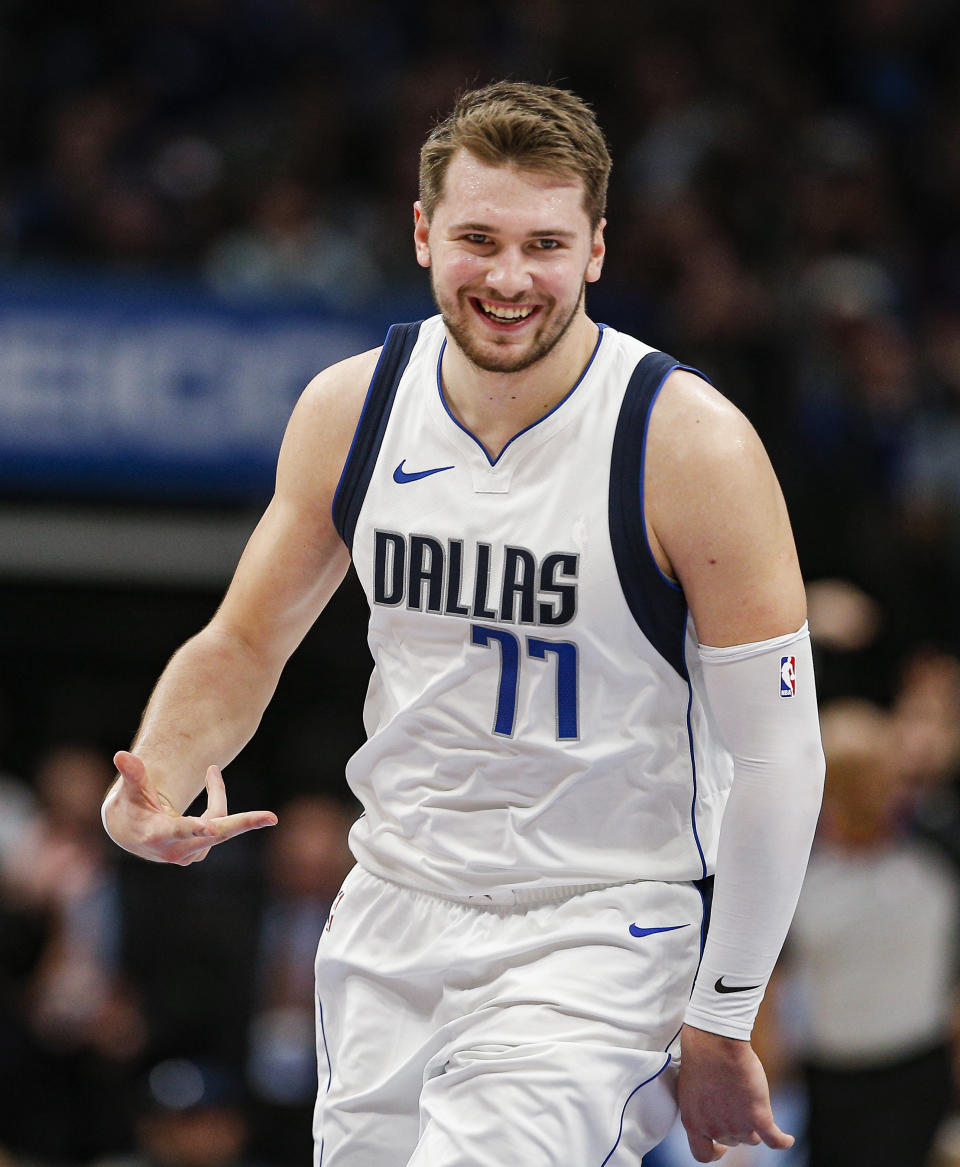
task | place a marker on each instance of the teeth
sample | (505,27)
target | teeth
(514,312)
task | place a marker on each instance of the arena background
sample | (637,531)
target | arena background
(202,204)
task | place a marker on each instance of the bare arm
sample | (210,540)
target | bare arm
(212,694)
(716,517)
(717,522)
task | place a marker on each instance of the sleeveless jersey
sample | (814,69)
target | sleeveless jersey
(535,717)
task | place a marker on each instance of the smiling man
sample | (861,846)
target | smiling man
(592,710)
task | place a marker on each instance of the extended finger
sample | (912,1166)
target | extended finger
(216,794)
(189,829)
(232,825)
(774,1137)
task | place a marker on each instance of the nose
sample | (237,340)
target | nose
(509,274)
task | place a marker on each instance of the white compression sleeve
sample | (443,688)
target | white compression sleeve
(764,702)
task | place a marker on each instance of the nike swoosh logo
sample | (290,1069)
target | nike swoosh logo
(722,988)
(636,930)
(401,475)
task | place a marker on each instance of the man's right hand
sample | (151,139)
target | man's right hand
(141,819)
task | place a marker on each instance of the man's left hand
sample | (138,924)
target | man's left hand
(723,1095)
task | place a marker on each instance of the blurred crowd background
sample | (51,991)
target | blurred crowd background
(782,215)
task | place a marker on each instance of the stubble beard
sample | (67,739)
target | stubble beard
(541,345)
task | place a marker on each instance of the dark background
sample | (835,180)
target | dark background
(782,215)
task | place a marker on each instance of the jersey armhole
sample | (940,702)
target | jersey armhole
(656,602)
(368,436)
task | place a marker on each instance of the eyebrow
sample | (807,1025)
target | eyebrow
(485,229)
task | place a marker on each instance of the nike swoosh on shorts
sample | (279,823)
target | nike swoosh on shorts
(636,930)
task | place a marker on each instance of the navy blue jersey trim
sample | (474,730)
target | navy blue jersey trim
(623,1112)
(368,437)
(656,602)
(705,887)
(693,776)
(326,1050)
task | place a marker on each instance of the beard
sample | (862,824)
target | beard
(457,315)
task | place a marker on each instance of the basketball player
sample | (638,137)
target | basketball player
(588,627)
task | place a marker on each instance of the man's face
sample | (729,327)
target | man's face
(509,252)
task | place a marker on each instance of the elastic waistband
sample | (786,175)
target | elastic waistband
(514,897)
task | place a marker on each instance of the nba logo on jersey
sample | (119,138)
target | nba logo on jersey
(788,676)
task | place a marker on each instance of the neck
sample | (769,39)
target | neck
(496,406)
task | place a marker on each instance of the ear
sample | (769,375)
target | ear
(421,235)
(598,250)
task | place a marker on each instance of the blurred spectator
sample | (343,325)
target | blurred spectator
(18,802)
(288,249)
(72,1024)
(190,943)
(927,723)
(307,860)
(852,641)
(188,1114)
(859,386)
(18,806)
(932,472)
(873,950)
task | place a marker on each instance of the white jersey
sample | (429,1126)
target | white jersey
(536,716)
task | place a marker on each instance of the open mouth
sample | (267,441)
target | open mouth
(510,316)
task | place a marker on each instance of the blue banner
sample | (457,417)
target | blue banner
(153,392)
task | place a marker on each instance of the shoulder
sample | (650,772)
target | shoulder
(704,461)
(335,398)
(694,428)
(322,426)
(716,517)
(338,392)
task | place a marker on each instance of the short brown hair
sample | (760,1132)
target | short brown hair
(535,127)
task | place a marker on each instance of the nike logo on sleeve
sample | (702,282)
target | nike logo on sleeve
(722,988)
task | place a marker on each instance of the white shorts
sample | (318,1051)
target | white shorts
(459,1035)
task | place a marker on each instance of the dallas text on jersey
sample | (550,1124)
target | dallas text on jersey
(428,575)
